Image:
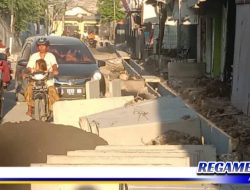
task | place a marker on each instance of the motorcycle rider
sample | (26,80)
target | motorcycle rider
(91,36)
(52,67)
(5,68)
(91,39)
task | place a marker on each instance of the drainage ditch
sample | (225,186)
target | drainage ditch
(210,133)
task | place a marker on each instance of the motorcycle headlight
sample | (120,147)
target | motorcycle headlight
(97,76)
(38,77)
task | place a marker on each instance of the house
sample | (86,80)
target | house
(79,15)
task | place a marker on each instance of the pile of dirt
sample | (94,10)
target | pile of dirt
(214,87)
(211,98)
(173,137)
(30,142)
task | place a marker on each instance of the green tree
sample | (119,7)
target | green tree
(24,11)
(108,12)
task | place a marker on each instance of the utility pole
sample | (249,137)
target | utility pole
(114,21)
(179,25)
(63,17)
(11,26)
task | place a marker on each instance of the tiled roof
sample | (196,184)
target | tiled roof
(88,5)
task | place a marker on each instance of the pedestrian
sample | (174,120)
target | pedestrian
(76,34)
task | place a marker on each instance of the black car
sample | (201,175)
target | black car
(76,66)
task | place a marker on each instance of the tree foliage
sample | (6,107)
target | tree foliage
(107,11)
(24,11)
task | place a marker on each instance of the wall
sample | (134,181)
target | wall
(241,68)
(217,44)
(5,36)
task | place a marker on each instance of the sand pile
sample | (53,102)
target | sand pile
(30,142)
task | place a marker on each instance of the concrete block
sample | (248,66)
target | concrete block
(217,137)
(133,85)
(185,70)
(37,186)
(194,157)
(147,120)
(93,89)
(115,88)
(149,78)
(138,134)
(210,132)
(119,160)
(123,54)
(69,112)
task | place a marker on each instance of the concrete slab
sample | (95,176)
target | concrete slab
(167,161)
(68,112)
(138,134)
(148,119)
(155,147)
(93,89)
(35,186)
(211,133)
(123,54)
(217,137)
(235,187)
(115,88)
(205,152)
(172,187)
(194,157)
(133,85)
(151,78)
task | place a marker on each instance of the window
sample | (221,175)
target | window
(72,54)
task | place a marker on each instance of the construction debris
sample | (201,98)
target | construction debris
(173,137)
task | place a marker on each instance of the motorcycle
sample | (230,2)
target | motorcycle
(5,77)
(1,94)
(40,95)
(5,67)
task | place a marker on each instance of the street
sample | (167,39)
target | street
(162,84)
(15,111)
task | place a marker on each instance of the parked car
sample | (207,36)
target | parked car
(77,65)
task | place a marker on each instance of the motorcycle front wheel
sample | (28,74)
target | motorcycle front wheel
(40,110)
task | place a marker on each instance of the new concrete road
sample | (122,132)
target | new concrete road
(15,111)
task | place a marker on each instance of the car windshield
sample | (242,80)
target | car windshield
(72,54)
